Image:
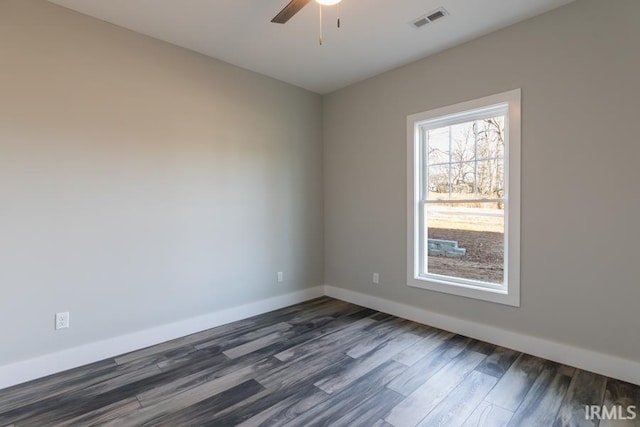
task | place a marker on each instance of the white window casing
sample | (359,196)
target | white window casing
(505,104)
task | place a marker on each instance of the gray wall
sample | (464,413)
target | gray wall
(579,70)
(141,183)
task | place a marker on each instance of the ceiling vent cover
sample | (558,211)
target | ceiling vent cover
(432,16)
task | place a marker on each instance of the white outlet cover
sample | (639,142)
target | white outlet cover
(62,320)
(376,278)
(280,277)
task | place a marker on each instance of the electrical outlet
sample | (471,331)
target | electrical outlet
(376,279)
(280,277)
(62,320)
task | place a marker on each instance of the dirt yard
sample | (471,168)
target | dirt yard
(484,258)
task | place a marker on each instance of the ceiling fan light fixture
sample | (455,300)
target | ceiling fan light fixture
(328,2)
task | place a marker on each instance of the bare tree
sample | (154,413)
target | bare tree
(468,158)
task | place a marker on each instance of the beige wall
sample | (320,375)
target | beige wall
(579,70)
(141,183)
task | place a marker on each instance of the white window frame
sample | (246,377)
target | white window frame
(509,292)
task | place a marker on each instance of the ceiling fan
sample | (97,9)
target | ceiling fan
(296,6)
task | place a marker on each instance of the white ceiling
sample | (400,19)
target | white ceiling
(375,34)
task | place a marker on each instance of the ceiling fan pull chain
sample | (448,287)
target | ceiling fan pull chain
(320,31)
(338,9)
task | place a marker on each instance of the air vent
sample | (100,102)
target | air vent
(432,16)
(420,22)
(436,15)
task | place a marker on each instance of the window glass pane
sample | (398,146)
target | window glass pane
(490,137)
(438,182)
(465,240)
(490,178)
(463,142)
(465,160)
(462,180)
(438,145)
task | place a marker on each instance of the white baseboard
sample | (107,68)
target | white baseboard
(23,371)
(588,360)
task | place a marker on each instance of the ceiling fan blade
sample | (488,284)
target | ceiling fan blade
(289,10)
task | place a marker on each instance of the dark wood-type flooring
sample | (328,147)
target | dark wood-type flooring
(323,362)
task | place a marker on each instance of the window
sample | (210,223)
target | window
(464,199)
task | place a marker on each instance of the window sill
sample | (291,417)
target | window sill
(496,295)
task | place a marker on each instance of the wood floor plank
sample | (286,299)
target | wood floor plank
(424,399)
(361,392)
(541,404)
(287,409)
(488,415)
(498,362)
(250,347)
(331,337)
(458,405)
(302,364)
(426,345)
(265,404)
(620,396)
(152,352)
(194,361)
(586,388)
(516,382)
(204,412)
(293,372)
(395,326)
(369,411)
(246,337)
(103,414)
(159,407)
(290,337)
(333,308)
(58,408)
(57,384)
(376,334)
(482,347)
(429,365)
(365,344)
(299,332)
(380,316)
(222,379)
(367,363)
